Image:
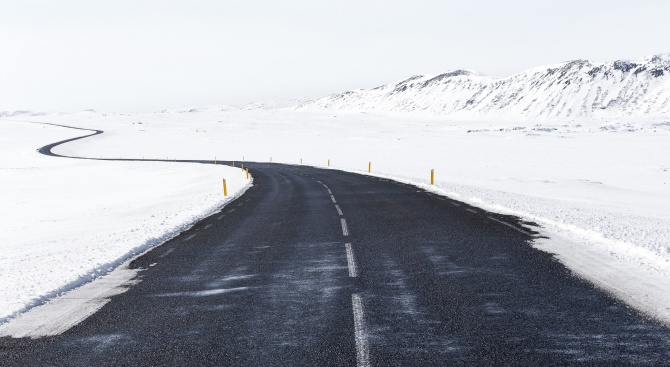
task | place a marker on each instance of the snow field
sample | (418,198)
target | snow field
(67,221)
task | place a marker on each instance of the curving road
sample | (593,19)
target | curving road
(317,267)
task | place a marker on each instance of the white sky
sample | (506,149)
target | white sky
(140,55)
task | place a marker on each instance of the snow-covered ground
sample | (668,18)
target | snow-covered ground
(65,221)
(600,190)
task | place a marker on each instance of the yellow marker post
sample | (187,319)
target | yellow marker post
(233,163)
(242,165)
(432,177)
(329,163)
(225,189)
(247,171)
(369,167)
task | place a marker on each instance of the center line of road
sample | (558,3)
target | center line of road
(220,217)
(333,198)
(339,211)
(207,226)
(362,349)
(330,192)
(471,211)
(351,262)
(345,229)
(189,237)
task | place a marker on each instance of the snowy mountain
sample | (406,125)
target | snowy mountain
(574,89)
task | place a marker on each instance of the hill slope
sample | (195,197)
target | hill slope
(570,90)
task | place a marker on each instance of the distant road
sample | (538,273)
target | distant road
(318,267)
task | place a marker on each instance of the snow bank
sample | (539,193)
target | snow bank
(65,221)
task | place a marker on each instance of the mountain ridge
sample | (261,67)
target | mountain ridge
(569,90)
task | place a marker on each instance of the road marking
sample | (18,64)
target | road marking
(330,192)
(339,211)
(168,252)
(455,204)
(239,205)
(471,211)
(231,210)
(512,226)
(207,226)
(220,217)
(345,229)
(189,237)
(333,198)
(362,350)
(351,262)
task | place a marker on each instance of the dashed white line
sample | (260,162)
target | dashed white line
(339,211)
(220,217)
(333,198)
(168,252)
(207,226)
(330,192)
(471,211)
(362,349)
(512,226)
(231,210)
(345,229)
(351,262)
(189,237)
(455,204)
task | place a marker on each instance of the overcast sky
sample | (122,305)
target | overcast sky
(124,56)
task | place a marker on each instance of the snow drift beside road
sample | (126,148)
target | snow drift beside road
(66,221)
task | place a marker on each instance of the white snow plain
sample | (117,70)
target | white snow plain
(600,190)
(65,222)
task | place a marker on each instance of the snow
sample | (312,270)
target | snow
(66,221)
(599,189)
(571,90)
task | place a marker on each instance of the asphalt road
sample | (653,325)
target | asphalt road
(317,267)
